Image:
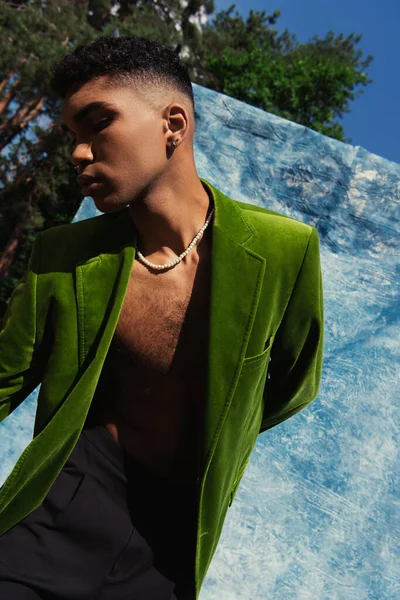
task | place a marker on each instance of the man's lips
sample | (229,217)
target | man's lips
(89,183)
(86,179)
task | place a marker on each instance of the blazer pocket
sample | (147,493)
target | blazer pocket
(253,362)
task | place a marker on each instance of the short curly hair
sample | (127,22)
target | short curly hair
(126,60)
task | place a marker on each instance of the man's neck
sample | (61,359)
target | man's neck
(166,225)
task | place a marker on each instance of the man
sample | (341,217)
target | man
(166,334)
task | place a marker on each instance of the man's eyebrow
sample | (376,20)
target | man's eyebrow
(83,112)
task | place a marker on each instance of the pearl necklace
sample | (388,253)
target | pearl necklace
(176,261)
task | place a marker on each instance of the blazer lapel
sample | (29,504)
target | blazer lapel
(101,282)
(236,281)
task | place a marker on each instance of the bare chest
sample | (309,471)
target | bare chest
(157,362)
(159,324)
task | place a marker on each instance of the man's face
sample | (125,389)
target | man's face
(119,140)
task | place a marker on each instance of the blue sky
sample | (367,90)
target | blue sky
(374,120)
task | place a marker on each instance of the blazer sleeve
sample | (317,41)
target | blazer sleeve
(18,375)
(296,357)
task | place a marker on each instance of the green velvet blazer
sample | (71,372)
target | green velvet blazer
(265,345)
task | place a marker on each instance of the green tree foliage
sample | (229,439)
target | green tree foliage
(310,83)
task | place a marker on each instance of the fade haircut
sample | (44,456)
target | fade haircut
(126,60)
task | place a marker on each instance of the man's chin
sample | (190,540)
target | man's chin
(106,205)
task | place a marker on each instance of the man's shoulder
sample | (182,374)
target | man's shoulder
(64,246)
(71,230)
(259,215)
(274,230)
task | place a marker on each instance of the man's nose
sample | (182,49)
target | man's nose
(82,153)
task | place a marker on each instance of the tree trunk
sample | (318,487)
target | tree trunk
(7,257)
(6,80)
(9,94)
(19,121)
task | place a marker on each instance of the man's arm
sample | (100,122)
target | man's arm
(18,376)
(297,351)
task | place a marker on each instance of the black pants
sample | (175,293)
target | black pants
(107,530)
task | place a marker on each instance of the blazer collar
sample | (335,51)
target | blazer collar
(228,218)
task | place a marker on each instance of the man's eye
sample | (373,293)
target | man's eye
(101,124)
